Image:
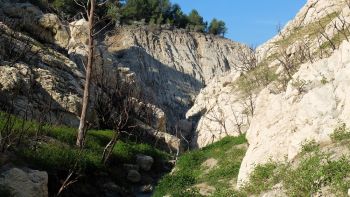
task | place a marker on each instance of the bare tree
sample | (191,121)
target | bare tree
(86,96)
(322,31)
(343,27)
(247,59)
(115,99)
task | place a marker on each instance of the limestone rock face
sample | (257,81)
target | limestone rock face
(25,183)
(172,66)
(54,24)
(222,112)
(27,17)
(304,29)
(169,67)
(310,110)
(42,80)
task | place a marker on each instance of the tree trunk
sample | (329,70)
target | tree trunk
(86,97)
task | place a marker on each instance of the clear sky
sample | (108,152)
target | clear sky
(249,21)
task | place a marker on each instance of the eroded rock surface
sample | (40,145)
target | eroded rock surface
(283,122)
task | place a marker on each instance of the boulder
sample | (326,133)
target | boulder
(25,182)
(52,23)
(134,176)
(46,27)
(147,188)
(112,190)
(145,162)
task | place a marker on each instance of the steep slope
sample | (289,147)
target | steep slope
(221,111)
(315,16)
(166,67)
(172,65)
(309,110)
(296,89)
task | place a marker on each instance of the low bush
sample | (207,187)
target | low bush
(340,133)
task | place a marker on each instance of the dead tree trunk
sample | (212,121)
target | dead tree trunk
(86,97)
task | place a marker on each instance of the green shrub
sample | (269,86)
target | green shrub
(324,80)
(310,146)
(340,133)
(261,179)
(313,172)
(307,178)
(256,79)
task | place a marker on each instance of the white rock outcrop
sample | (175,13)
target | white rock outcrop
(169,66)
(310,110)
(222,112)
(331,13)
(172,65)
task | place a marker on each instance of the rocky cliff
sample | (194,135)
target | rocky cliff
(42,70)
(283,122)
(172,66)
(304,98)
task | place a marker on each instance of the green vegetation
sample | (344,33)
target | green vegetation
(53,147)
(311,30)
(313,171)
(309,147)
(152,12)
(191,169)
(255,79)
(341,133)
(195,22)
(217,27)
(324,80)
(262,178)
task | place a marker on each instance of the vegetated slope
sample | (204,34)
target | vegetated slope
(52,149)
(296,86)
(317,30)
(211,171)
(318,170)
(314,103)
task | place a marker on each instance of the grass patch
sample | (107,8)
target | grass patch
(189,170)
(53,147)
(315,170)
(311,30)
(341,133)
(256,79)
(262,179)
(309,147)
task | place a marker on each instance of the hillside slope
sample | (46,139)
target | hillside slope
(295,89)
(167,67)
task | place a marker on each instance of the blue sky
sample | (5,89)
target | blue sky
(249,21)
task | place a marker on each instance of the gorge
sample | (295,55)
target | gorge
(206,116)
